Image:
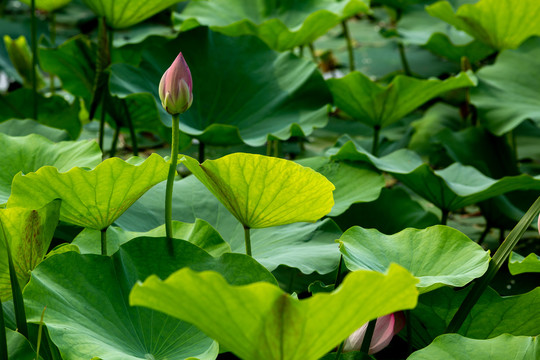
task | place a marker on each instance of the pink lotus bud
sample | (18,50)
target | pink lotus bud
(176,87)
(385,329)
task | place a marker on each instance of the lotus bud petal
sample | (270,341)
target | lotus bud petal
(385,329)
(176,87)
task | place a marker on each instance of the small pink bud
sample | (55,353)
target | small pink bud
(385,329)
(176,87)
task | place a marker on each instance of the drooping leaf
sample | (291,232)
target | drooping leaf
(101,323)
(457,347)
(28,233)
(438,255)
(18,346)
(262,191)
(354,183)
(282,25)
(29,153)
(502,24)
(507,90)
(375,105)
(518,264)
(279,326)
(270,94)
(23,127)
(90,198)
(492,316)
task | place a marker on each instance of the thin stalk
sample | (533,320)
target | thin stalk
(102,128)
(104,241)
(495,264)
(170,180)
(33,30)
(444,217)
(135,147)
(403,58)
(201,152)
(368,336)
(484,234)
(340,350)
(276,148)
(53,43)
(348,38)
(313,53)
(376,134)
(115,141)
(336,284)
(268,147)
(40,330)
(3,337)
(247,239)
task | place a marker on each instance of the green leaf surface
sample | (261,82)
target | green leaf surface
(270,94)
(376,105)
(99,321)
(48,5)
(28,233)
(279,326)
(29,153)
(199,233)
(457,347)
(492,316)
(518,264)
(23,127)
(438,255)
(18,346)
(90,198)
(502,24)
(507,91)
(354,183)
(451,188)
(282,25)
(257,189)
(124,13)
(308,247)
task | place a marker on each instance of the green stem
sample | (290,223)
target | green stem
(53,43)
(33,30)
(495,264)
(102,128)
(375,145)
(404,62)
(170,180)
(444,217)
(484,234)
(247,239)
(104,241)
(340,350)
(336,284)
(313,53)
(135,147)
(350,49)
(3,337)
(201,152)
(40,330)
(268,147)
(114,144)
(368,336)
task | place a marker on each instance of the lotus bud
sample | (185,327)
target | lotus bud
(385,329)
(176,87)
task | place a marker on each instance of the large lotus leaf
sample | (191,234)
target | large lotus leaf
(457,347)
(54,111)
(492,315)
(263,191)
(377,105)
(354,183)
(18,347)
(308,247)
(124,13)
(451,188)
(508,91)
(283,25)
(87,310)
(270,94)
(278,326)
(90,198)
(31,152)
(518,264)
(438,255)
(199,233)
(28,233)
(502,24)
(48,5)
(23,127)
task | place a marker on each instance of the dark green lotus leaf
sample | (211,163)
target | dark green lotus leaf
(507,90)
(438,255)
(18,346)
(451,188)
(354,183)
(23,127)
(308,247)
(457,347)
(90,198)
(282,25)
(29,153)
(270,94)
(376,105)
(474,51)
(492,316)
(27,233)
(279,326)
(501,24)
(54,111)
(98,321)
(124,13)
(518,264)
(199,233)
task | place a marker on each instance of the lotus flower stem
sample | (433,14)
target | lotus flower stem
(40,331)
(313,53)
(53,43)
(404,62)
(101,135)
(444,217)
(340,350)
(375,145)
(104,241)
(247,239)
(350,49)
(33,31)
(134,146)
(3,339)
(170,179)
(114,144)
(201,151)
(367,337)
